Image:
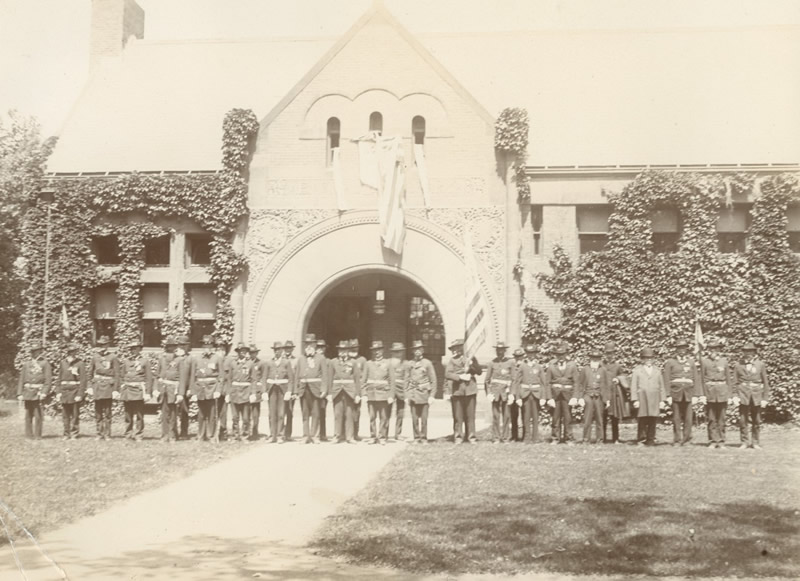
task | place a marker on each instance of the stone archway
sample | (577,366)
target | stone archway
(287,291)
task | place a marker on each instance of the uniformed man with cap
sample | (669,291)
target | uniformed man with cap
(169,387)
(35,380)
(562,377)
(717,382)
(238,394)
(648,395)
(379,386)
(206,375)
(344,392)
(593,395)
(461,388)
(420,389)
(136,385)
(361,363)
(278,378)
(70,386)
(258,392)
(184,351)
(311,384)
(222,402)
(400,366)
(323,411)
(103,386)
(682,382)
(513,408)
(619,392)
(751,394)
(288,414)
(499,377)
(531,393)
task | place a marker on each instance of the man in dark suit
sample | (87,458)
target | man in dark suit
(717,389)
(682,382)
(562,377)
(751,394)
(461,388)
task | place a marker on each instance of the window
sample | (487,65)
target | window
(106,249)
(536,224)
(198,249)
(376,122)
(793,226)
(333,132)
(592,227)
(418,129)
(666,229)
(104,311)
(156,251)
(732,226)
(203,307)
(154,305)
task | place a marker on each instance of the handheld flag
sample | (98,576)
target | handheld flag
(475,313)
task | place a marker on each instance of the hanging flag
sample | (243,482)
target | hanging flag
(422,172)
(338,182)
(475,313)
(368,160)
(64,321)
(699,343)
(392,193)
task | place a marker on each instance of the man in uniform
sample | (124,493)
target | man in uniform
(716,382)
(278,378)
(751,393)
(222,401)
(562,377)
(34,384)
(682,382)
(618,388)
(361,363)
(206,374)
(136,385)
(648,395)
(399,365)
(420,389)
(288,414)
(499,377)
(169,388)
(311,383)
(461,388)
(238,396)
(378,381)
(258,392)
(183,351)
(323,410)
(104,384)
(344,392)
(70,387)
(593,395)
(531,393)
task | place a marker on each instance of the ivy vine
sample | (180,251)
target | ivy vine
(511,135)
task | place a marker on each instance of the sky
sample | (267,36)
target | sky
(44,44)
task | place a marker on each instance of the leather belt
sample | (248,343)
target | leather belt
(278,381)
(340,381)
(503,381)
(241,383)
(716,382)
(70,382)
(562,385)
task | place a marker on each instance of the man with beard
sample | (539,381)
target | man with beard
(562,377)
(648,395)
(312,383)
(104,384)
(682,383)
(378,383)
(135,387)
(716,381)
(70,387)
(421,387)
(461,388)
(206,373)
(170,374)
(34,384)
(344,392)
(751,389)
(532,393)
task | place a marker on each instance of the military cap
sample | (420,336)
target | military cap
(530,348)
(183,340)
(501,345)
(321,343)
(610,347)
(681,343)
(36,346)
(518,352)
(376,345)
(277,345)
(398,347)
(353,343)
(748,347)
(456,343)
(73,347)
(103,340)
(310,338)
(254,348)
(647,352)
(288,344)
(170,340)
(343,344)
(417,345)
(561,348)
(242,347)
(595,353)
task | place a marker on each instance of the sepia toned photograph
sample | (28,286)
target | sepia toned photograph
(399,290)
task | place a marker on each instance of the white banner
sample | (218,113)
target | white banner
(391,196)
(368,160)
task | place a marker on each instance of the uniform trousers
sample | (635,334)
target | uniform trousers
(715,412)
(513,414)
(344,411)
(255,416)
(312,409)
(71,413)
(647,425)
(134,414)
(183,413)
(240,412)
(33,418)
(499,420)
(222,416)
(169,420)
(562,420)
(323,423)
(530,418)
(207,419)
(682,421)
(607,417)
(400,410)
(593,414)
(378,419)
(419,420)
(749,414)
(275,412)
(102,416)
(288,418)
(464,410)
(357,420)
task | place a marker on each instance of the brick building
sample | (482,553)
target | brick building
(157,107)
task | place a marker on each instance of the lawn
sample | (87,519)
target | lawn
(51,482)
(600,509)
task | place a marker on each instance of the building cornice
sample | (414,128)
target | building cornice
(547,171)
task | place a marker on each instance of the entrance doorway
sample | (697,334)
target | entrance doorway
(380,307)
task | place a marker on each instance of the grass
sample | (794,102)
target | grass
(51,482)
(580,509)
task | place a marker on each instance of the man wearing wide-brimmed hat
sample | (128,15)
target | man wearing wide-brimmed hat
(751,394)
(499,376)
(136,386)
(278,378)
(206,377)
(169,388)
(103,385)
(183,350)
(70,386)
(321,347)
(344,392)
(420,389)
(34,385)
(378,380)
(593,394)
(717,380)
(648,395)
(562,377)
(619,392)
(361,363)
(288,406)
(400,366)
(461,388)
(682,382)
(238,394)
(221,349)
(311,387)
(531,391)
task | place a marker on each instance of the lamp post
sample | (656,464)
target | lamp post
(46,197)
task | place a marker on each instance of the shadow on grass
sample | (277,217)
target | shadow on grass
(516,533)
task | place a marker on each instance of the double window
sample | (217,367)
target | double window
(592,227)
(732,226)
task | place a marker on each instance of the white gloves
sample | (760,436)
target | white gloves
(288,396)
(636,404)
(763,403)
(465,377)
(358,399)
(193,398)
(58,397)
(115,394)
(447,397)
(730,401)
(252,398)
(582,402)
(430,401)
(90,391)
(330,398)
(669,400)
(551,402)
(178,398)
(542,402)
(662,405)
(572,401)
(78,399)
(264,396)
(694,400)
(608,404)
(217,394)
(20,398)
(737,401)
(518,401)
(703,399)
(490,396)
(227,399)
(511,399)
(390,401)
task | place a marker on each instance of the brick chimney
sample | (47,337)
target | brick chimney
(113,23)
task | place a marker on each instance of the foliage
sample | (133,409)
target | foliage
(511,135)
(636,297)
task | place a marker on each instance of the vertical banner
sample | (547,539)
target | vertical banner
(338,182)
(391,194)
(475,314)
(368,161)
(422,172)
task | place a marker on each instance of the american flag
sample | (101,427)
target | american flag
(475,312)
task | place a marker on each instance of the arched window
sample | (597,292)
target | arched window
(418,129)
(333,132)
(376,122)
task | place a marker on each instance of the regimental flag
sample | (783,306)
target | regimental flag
(392,193)
(475,313)
(64,321)
(699,343)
